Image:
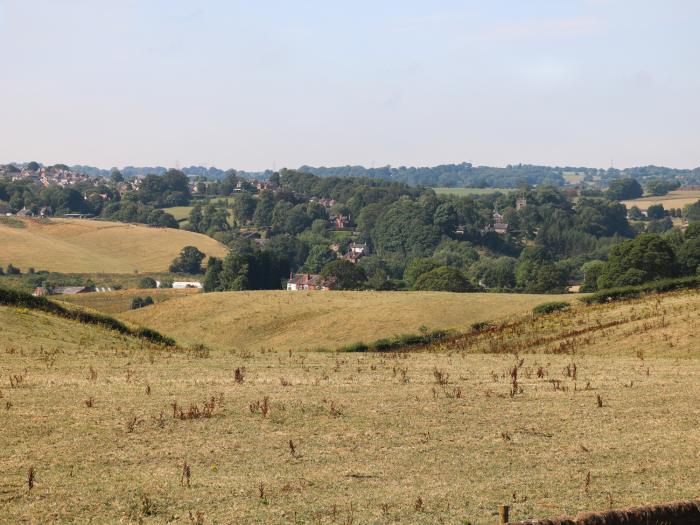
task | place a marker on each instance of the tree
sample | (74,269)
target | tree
(689,256)
(319,256)
(496,273)
(623,189)
(263,210)
(116,176)
(243,208)
(418,267)
(536,272)
(591,271)
(635,214)
(692,231)
(690,212)
(163,219)
(212,277)
(12,270)
(444,279)
(645,258)
(656,211)
(344,275)
(147,282)
(189,261)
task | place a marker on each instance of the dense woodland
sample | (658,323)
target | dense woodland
(414,238)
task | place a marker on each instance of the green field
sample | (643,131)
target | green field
(92,246)
(434,436)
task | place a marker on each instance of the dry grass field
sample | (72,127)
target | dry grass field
(120,301)
(82,245)
(284,320)
(674,199)
(601,411)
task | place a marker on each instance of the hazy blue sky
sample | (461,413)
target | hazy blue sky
(246,84)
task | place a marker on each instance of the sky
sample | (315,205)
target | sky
(264,84)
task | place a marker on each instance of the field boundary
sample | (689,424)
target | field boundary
(678,513)
(21,299)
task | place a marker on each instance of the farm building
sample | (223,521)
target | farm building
(182,284)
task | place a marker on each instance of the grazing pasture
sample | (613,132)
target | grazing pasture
(597,409)
(92,246)
(284,320)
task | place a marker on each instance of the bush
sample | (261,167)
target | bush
(481,326)
(399,342)
(550,307)
(139,302)
(13,270)
(147,282)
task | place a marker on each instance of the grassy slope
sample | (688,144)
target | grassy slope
(74,245)
(283,320)
(120,301)
(675,199)
(392,435)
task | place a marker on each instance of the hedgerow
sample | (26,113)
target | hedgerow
(21,299)
(627,292)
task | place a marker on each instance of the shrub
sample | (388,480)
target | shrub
(550,307)
(147,282)
(12,270)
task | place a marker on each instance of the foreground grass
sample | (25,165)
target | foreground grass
(425,437)
(293,320)
(90,246)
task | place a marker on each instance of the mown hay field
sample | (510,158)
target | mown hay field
(117,431)
(291,320)
(674,199)
(87,246)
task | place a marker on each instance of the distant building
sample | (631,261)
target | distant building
(498,225)
(181,285)
(70,290)
(306,281)
(520,203)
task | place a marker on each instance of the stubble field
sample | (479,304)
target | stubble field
(601,411)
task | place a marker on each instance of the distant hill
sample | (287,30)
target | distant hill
(81,245)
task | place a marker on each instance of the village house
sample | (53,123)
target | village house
(497,223)
(306,281)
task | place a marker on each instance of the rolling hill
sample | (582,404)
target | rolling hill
(83,246)
(284,320)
